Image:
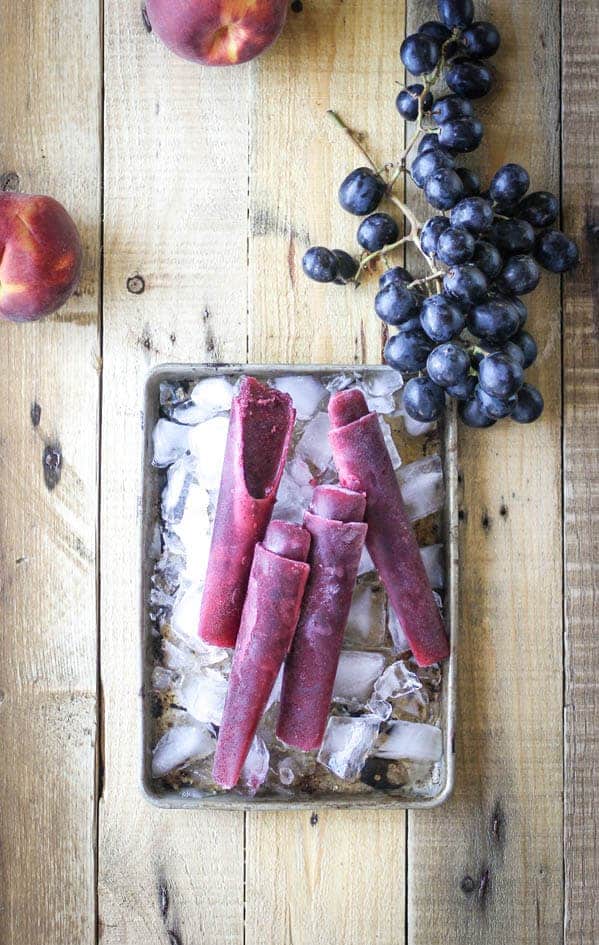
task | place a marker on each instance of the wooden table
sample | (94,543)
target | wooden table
(197,192)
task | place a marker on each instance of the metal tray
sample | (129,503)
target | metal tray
(153,481)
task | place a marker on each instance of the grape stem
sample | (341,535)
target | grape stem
(378,254)
(433,275)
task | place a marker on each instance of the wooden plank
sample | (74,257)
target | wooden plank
(49,395)
(488,866)
(580,161)
(307,877)
(176,215)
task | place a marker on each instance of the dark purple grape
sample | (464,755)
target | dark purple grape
(456,245)
(461,134)
(488,259)
(430,233)
(472,213)
(493,318)
(376,231)
(420,53)
(412,324)
(470,180)
(440,318)
(408,350)
(449,107)
(395,303)
(347,267)
(509,185)
(500,376)
(512,237)
(528,347)
(407,101)
(428,142)
(519,276)
(436,30)
(361,191)
(495,407)
(464,390)
(395,274)
(423,400)
(540,209)
(425,164)
(556,251)
(470,78)
(456,13)
(465,284)
(443,189)
(473,415)
(448,364)
(320,264)
(520,308)
(529,405)
(481,40)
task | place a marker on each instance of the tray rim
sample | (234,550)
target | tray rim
(173,801)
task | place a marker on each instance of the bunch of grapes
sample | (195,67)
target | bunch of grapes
(460,329)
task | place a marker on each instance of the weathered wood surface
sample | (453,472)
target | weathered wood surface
(176,215)
(214,183)
(49,143)
(488,867)
(580,131)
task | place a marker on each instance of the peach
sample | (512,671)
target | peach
(40,256)
(217,32)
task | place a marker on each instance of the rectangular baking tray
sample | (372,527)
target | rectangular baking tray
(153,481)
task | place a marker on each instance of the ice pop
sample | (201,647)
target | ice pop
(260,430)
(270,613)
(335,524)
(363,464)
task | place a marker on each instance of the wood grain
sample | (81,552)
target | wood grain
(49,144)
(306,876)
(580,118)
(175,215)
(488,867)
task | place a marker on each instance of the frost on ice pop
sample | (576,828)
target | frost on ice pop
(270,613)
(335,524)
(363,464)
(257,444)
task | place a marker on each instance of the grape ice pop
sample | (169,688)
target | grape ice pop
(335,524)
(270,613)
(363,464)
(258,440)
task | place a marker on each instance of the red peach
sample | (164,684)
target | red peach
(217,32)
(40,256)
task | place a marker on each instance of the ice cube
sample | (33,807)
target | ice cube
(366,563)
(415,427)
(366,621)
(212,396)
(162,678)
(390,444)
(396,632)
(306,393)
(397,680)
(432,557)
(382,383)
(346,744)
(186,612)
(170,440)
(313,445)
(193,531)
(207,443)
(295,492)
(379,707)
(287,772)
(255,769)
(340,382)
(203,695)
(356,675)
(411,741)
(181,744)
(180,476)
(422,486)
